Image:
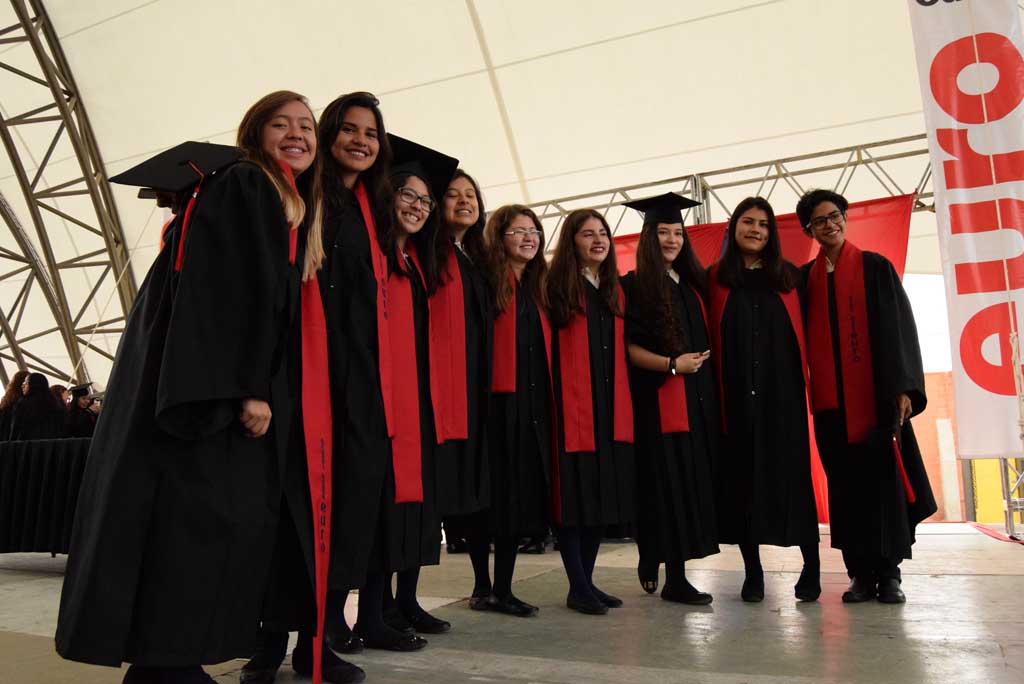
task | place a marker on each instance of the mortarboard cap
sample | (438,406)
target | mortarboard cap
(435,168)
(667,208)
(171,170)
(81,390)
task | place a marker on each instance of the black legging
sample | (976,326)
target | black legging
(579,547)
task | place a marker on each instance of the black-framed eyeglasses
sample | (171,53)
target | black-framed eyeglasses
(519,233)
(837,217)
(411,197)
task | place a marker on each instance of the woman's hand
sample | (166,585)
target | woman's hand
(255,417)
(691,363)
(903,407)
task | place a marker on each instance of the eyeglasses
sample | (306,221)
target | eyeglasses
(411,197)
(835,217)
(521,233)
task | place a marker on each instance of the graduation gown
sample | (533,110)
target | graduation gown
(349,291)
(595,488)
(463,476)
(764,489)
(79,422)
(519,433)
(409,534)
(169,553)
(674,470)
(869,514)
(35,419)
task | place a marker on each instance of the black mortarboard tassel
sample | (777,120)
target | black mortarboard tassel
(172,170)
(81,390)
(435,168)
(667,208)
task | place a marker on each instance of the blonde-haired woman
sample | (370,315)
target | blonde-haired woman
(181,496)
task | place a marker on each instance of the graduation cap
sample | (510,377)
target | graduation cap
(667,208)
(435,168)
(80,390)
(179,168)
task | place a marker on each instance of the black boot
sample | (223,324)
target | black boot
(808,587)
(270,651)
(753,582)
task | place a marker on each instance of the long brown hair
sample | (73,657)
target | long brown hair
(535,273)
(473,239)
(13,392)
(565,282)
(296,204)
(781,273)
(652,292)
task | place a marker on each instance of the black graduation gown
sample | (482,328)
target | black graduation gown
(764,490)
(170,550)
(36,419)
(5,423)
(409,534)
(361,443)
(462,464)
(868,510)
(596,489)
(674,471)
(519,434)
(79,422)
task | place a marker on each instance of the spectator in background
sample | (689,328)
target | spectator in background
(60,393)
(80,416)
(38,414)
(11,397)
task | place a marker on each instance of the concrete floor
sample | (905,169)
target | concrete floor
(964,622)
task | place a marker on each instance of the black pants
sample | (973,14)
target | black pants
(871,567)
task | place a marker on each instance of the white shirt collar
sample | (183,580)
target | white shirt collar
(592,278)
(673,275)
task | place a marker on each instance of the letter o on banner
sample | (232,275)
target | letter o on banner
(992,48)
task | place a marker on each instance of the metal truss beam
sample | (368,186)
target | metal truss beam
(74,197)
(884,162)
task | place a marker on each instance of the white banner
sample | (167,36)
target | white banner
(969,58)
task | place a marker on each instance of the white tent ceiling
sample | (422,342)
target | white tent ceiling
(538,98)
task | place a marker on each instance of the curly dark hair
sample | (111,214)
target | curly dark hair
(781,273)
(810,201)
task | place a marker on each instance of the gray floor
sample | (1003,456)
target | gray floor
(964,622)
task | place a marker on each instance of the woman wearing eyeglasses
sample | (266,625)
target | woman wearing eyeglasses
(764,489)
(461,322)
(593,483)
(674,399)
(520,424)
(867,381)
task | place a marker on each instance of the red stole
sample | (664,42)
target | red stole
(719,297)
(854,344)
(675,414)
(448,354)
(577,392)
(380,272)
(503,380)
(406,445)
(318,433)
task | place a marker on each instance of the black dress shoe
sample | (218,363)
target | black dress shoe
(687,595)
(405,643)
(648,574)
(479,601)
(859,591)
(425,623)
(335,670)
(606,599)
(808,587)
(251,675)
(344,642)
(535,546)
(587,606)
(510,605)
(889,591)
(753,588)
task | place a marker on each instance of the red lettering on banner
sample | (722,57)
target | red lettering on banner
(992,320)
(992,48)
(982,217)
(973,170)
